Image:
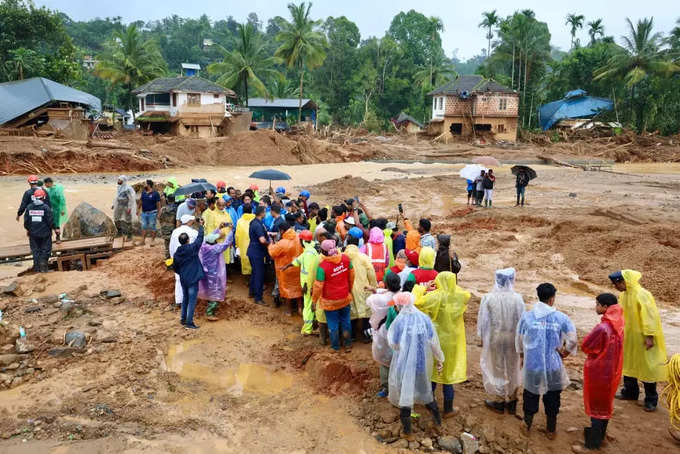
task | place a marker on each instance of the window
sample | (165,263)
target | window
(141,108)
(500,128)
(216,96)
(441,103)
(194,99)
(158,99)
(503,104)
(174,99)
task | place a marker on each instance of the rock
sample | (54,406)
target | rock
(32,309)
(572,195)
(49,299)
(8,332)
(87,221)
(469,442)
(3,305)
(75,339)
(450,444)
(67,307)
(426,443)
(389,416)
(113,293)
(61,351)
(94,323)
(572,429)
(7,359)
(412,445)
(575,384)
(401,443)
(9,348)
(13,289)
(13,366)
(23,346)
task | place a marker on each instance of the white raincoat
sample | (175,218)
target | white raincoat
(499,314)
(540,332)
(382,353)
(125,200)
(414,342)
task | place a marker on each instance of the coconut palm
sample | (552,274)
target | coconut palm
(439,70)
(130,61)
(489,22)
(575,22)
(302,45)
(246,64)
(595,29)
(23,61)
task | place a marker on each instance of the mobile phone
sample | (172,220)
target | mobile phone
(356,197)
(401,209)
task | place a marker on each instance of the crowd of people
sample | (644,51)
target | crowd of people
(356,277)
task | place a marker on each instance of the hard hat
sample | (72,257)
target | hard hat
(305,193)
(33,179)
(39,194)
(306,235)
(221,184)
(356,232)
(280,190)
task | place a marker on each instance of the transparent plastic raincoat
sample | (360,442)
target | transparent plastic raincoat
(499,314)
(603,367)
(541,331)
(284,252)
(414,341)
(364,276)
(642,319)
(125,200)
(378,303)
(446,306)
(242,238)
(214,283)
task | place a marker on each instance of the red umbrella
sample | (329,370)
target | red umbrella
(488,161)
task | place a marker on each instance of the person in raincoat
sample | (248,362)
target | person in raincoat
(124,207)
(186,226)
(379,303)
(644,346)
(333,292)
(425,272)
(216,217)
(388,229)
(55,192)
(284,252)
(602,370)
(545,336)
(445,306)
(412,242)
(415,345)
(377,252)
(499,314)
(170,189)
(444,261)
(242,238)
(364,276)
(402,267)
(308,262)
(213,286)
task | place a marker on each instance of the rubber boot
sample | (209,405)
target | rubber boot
(498,407)
(434,409)
(292,307)
(210,310)
(517,204)
(405,417)
(44,267)
(365,333)
(511,407)
(551,426)
(490,203)
(323,333)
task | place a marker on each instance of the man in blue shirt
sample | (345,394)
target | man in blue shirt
(257,253)
(188,265)
(150,206)
(545,336)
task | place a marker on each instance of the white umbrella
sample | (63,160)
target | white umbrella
(471,171)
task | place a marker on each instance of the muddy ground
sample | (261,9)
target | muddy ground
(250,382)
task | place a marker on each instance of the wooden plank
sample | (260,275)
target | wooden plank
(21,250)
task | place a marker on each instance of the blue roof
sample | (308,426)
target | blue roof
(22,96)
(575,104)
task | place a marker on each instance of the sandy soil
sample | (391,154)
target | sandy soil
(250,382)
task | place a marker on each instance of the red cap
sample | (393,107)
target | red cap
(221,184)
(306,235)
(39,194)
(412,257)
(33,179)
(254,187)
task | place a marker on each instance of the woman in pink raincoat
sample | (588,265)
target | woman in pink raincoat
(214,285)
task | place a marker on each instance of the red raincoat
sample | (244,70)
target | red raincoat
(604,365)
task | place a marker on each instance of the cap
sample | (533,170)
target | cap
(186,218)
(221,184)
(191,203)
(391,225)
(305,193)
(254,187)
(306,235)
(350,220)
(280,190)
(39,194)
(33,179)
(615,277)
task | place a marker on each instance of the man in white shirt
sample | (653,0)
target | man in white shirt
(187,221)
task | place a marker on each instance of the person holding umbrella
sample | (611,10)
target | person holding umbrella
(524,174)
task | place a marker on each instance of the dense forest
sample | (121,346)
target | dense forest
(356,80)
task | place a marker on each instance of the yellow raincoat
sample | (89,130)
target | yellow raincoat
(446,306)
(242,238)
(364,276)
(213,219)
(642,319)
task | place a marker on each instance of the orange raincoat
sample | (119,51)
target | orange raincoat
(284,252)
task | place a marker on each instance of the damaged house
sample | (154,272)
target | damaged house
(42,107)
(185,106)
(472,106)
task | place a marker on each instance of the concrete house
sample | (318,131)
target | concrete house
(184,106)
(470,106)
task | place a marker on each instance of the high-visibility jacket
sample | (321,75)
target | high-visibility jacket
(377,252)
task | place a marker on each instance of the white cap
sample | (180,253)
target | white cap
(350,220)
(186,218)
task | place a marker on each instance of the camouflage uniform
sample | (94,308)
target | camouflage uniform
(166,218)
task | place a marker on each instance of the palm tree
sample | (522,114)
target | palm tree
(130,61)
(302,45)
(489,22)
(440,70)
(575,22)
(436,26)
(640,56)
(22,61)
(247,63)
(595,28)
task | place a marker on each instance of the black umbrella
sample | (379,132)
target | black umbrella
(531,173)
(195,187)
(270,174)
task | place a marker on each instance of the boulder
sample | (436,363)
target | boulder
(75,339)
(450,444)
(470,443)
(87,221)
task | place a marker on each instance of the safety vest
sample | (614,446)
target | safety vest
(377,256)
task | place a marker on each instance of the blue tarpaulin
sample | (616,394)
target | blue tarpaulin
(575,104)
